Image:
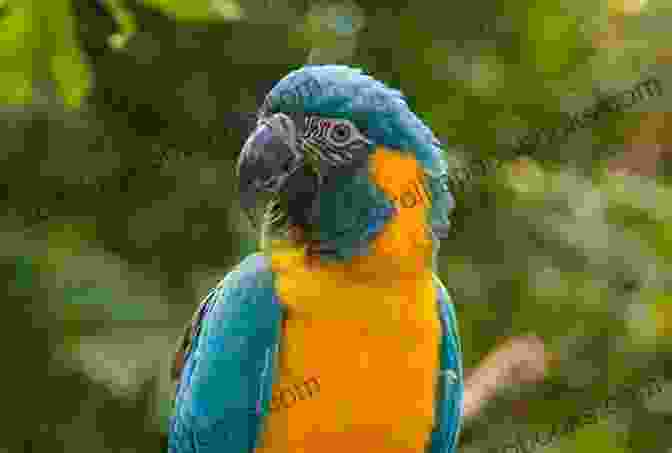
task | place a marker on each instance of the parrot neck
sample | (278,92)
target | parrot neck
(399,243)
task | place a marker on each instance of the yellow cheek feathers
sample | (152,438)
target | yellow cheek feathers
(400,176)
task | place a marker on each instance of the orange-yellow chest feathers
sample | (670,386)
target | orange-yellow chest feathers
(359,350)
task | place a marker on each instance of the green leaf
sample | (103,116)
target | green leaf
(17,41)
(38,43)
(125,22)
(67,66)
(199,9)
(227,9)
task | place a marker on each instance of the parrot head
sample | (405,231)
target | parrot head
(340,156)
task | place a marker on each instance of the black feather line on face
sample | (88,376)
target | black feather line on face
(301,197)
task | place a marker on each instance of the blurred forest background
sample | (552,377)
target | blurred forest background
(121,121)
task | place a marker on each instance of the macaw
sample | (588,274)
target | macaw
(345,183)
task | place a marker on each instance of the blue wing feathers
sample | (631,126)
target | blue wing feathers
(451,386)
(227,376)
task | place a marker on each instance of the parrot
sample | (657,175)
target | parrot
(337,335)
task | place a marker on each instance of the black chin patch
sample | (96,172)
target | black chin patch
(300,192)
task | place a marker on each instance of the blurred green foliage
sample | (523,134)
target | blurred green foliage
(121,123)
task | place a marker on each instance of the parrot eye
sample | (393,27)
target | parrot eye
(340,133)
(344,134)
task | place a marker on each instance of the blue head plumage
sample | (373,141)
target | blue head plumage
(348,209)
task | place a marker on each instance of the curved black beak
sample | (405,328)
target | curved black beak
(269,157)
